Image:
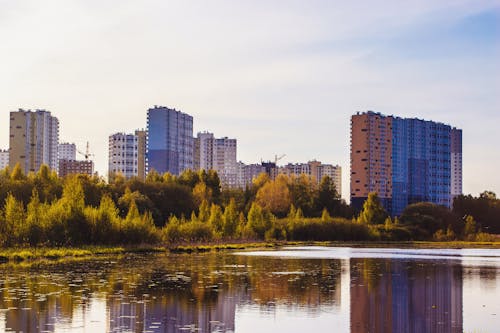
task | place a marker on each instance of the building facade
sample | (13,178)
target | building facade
(4,159)
(169,140)
(316,170)
(34,139)
(334,172)
(73,167)
(66,151)
(247,172)
(141,153)
(456,162)
(217,154)
(126,154)
(404,160)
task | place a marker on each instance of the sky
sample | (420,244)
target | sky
(282,77)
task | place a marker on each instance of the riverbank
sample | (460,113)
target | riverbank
(30,254)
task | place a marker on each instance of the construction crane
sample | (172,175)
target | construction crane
(277,158)
(87,153)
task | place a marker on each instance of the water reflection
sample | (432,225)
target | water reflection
(396,296)
(222,292)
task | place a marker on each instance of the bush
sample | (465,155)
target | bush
(308,229)
(192,231)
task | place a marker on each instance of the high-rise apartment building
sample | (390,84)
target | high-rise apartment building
(225,162)
(126,154)
(141,153)
(456,162)
(4,159)
(66,151)
(404,160)
(34,138)
(217,154)
(203,156)
(169,140)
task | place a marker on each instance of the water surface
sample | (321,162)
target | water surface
(295,289)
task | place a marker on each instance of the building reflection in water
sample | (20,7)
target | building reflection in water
(216,293)
(402,296)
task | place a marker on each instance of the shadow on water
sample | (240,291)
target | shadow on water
(223,292)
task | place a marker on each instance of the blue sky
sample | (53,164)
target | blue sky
(283,77)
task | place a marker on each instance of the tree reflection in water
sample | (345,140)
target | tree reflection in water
(205,292)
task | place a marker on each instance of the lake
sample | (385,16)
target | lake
(295,289)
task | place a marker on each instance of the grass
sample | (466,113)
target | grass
(29,254)
(39,253)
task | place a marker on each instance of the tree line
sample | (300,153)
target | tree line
(43,209)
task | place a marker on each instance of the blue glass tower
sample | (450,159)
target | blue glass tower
(421,161)
(421,165)
(169,140)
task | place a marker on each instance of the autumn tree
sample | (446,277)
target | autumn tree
(231,219)
(258,221)
(275,196)
(373,212)
(216,219)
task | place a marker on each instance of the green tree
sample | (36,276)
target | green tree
(230,219)
(107,223)
(299,214)
(470,227)
(201,192)
(257,221)
(388,223)
(204,211)
(425,219)
(73,205)
(328,197)
(292,213)
(153,177)
(216,219)
(17,173)
(303,193)
(325,216)
(14,229)
(35,219)
(133,212)
(373,212)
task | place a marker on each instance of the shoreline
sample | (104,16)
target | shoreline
(55,254)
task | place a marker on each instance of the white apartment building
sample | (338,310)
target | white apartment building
(4,159)
(334,172)
(34,137)
(66,151)
(127,154)
(217,154)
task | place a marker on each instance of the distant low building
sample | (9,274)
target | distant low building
(73,167)
(247,172)
(316,170)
